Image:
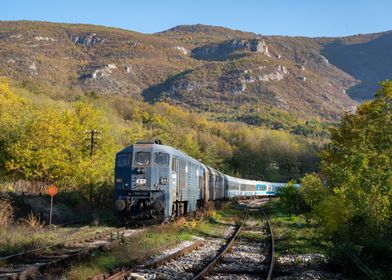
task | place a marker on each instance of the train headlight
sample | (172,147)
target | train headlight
(141,182)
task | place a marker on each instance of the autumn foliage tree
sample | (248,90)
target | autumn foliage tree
(312,190)
(40,143)
(358,170)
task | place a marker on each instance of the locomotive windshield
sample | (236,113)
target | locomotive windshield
(123,160)
(142,158)
(161,159)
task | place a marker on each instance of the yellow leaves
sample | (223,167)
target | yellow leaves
(385,90)
(12,107)
(47,143)
(87,113)
(7,97)
(12,165)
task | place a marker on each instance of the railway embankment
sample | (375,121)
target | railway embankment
(301,251)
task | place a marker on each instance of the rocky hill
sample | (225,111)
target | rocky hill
(367,58)
(205,67)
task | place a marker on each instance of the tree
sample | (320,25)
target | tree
(291,198)
(45,151)
(358,162)
(312,190)
(358,169)
(44,143)
(14,115)
(96,169)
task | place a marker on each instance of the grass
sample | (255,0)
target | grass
(252,236)
(15,239)
(131,251)
(295,234)
(154,240)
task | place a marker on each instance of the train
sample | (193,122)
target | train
(155,183)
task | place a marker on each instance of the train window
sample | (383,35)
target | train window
(261,187)
(142,158)
(161,159)
(123,160)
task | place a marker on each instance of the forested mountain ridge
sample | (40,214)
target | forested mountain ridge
(205,67)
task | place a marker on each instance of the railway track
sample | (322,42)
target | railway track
(241,258)
(232,258)
(30,264)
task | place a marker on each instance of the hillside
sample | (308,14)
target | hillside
(367,58)
(204,67)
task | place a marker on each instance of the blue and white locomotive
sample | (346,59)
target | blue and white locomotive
(154,182)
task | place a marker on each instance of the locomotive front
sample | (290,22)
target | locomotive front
(142,183)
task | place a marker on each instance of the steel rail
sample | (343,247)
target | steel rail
(272,262)
(65,252)
(124,273)
(219,256)
(61,244)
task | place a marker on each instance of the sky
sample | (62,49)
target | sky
(312,18)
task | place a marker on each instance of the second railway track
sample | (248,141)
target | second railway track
(31,264)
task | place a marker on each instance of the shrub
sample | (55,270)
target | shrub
(291,198)
(33,221)
(6,211)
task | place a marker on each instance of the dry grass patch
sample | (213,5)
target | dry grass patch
(6,211)
(132,251)
(24,237)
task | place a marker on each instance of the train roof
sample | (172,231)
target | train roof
(247,181)
(162,148)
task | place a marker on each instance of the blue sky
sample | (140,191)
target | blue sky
(269,17)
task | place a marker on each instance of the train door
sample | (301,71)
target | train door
(123,171)
(182,179)
(206,184)
(174,175)
(200,182)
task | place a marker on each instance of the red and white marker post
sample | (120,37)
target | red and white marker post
(52,191)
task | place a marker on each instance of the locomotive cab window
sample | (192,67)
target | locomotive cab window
(123,160)
(161,159)
(142,158)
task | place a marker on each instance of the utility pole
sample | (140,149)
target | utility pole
(93,139)
(92,136)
